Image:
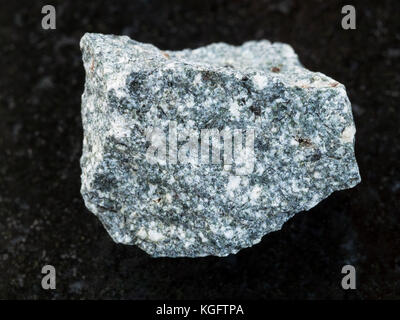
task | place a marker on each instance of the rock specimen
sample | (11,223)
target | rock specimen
(202,152)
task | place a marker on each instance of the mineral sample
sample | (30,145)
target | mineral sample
(203,152)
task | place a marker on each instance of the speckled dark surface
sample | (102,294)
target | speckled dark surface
(42,216)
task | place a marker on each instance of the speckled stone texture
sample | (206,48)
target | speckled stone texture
(303,142)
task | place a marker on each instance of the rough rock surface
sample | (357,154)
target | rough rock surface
(303,142)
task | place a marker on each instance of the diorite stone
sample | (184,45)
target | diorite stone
(203,152)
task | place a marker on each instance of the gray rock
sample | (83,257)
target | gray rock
(147,172)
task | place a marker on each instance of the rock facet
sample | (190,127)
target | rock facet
(202,152)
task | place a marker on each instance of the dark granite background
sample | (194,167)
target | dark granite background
(42,216)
